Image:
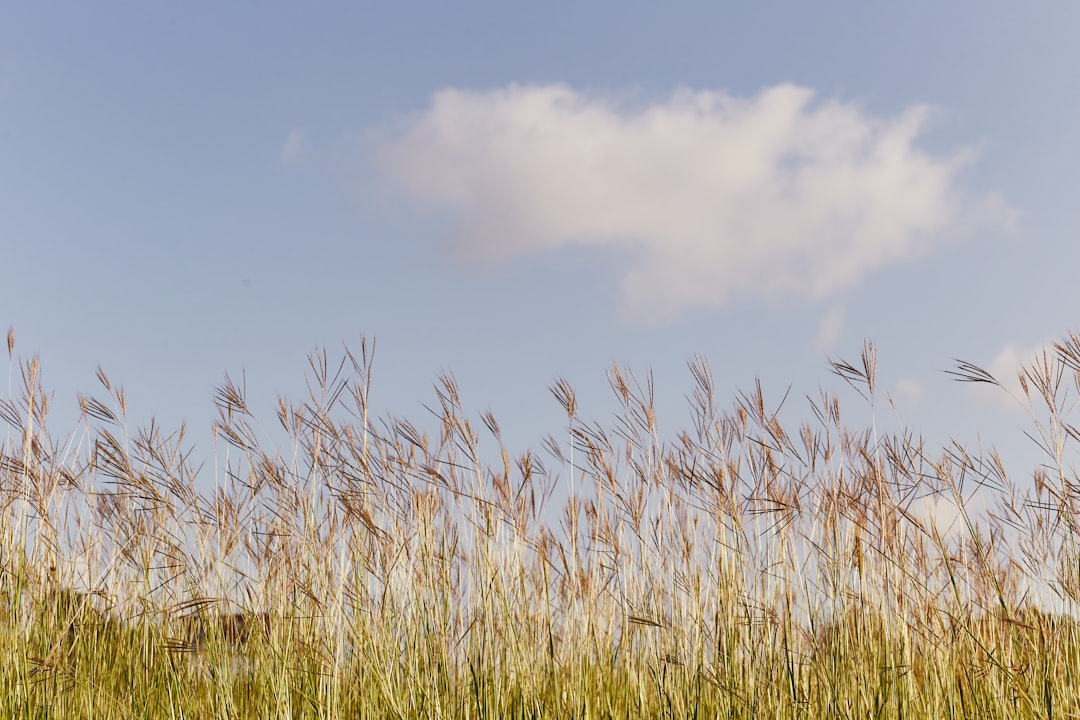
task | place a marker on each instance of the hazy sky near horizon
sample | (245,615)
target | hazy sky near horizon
(525,193)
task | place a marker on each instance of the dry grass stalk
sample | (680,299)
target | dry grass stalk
(745,567)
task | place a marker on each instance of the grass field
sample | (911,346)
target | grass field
(739,569)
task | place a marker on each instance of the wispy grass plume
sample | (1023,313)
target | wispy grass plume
(743,567)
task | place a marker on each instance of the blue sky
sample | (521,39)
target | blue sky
(519,194)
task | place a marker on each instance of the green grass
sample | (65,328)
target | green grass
(743,568)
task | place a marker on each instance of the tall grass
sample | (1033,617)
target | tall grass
(743,568)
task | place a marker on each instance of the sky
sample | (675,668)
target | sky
(519,194)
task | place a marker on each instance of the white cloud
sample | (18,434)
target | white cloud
(830,328)
(707,198)
(909,392)
(943,513)
(295,149)
(1006,364)
(940,514)
(1006,367)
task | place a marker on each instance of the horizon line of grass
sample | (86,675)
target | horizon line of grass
(743,568)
